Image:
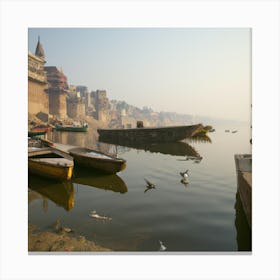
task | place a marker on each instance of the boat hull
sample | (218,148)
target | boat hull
(36,133)
(50,163)
(72,128)
(150,135)
(106,165)
(50,171)
(41,129)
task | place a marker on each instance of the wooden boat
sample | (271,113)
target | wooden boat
(41,128)
(36,133)
(73,128)
(39,143)
(96,160)
(50,163)
(150,134)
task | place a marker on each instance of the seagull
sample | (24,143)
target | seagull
(162,247)
(185,174)
(149,185)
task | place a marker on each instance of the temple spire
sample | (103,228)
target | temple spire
(39,49)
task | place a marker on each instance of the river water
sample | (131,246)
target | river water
(204,215)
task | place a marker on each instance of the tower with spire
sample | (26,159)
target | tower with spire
(38,100)
(39,50)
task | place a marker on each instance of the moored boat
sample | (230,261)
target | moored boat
(41,128)
(73,128)
(96,160)
(36,133)
(50,163)
(150,134)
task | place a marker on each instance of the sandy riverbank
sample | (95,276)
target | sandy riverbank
(59,241)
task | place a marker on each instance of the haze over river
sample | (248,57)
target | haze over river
(203,215)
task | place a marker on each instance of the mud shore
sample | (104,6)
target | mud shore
(60,241)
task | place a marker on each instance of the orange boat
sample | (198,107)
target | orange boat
(41,128)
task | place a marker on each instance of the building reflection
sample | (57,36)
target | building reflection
(243,231)
(70,138)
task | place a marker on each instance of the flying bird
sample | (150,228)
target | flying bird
(149,185)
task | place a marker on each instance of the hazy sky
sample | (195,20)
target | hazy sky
(199,71)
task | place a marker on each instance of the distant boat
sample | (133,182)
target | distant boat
(234,131)
(96,160)
(36,133)
(227,130)
(73,128)
(50,163)
(41,128)
(150,134)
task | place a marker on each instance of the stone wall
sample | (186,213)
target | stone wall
(58,87)
(57,105)
(102,106)
(76,109)
(38,100)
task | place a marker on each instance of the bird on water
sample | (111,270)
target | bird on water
(185,174)
(149,185)
(162,247)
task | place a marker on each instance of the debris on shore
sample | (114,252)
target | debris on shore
(47,241)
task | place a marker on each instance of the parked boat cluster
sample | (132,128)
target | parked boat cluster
(56,161)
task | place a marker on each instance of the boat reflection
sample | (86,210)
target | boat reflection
(243,231)
(174,148)
(200,139)
(99,180)
(61,193)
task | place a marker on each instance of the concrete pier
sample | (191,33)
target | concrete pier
(243,165)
